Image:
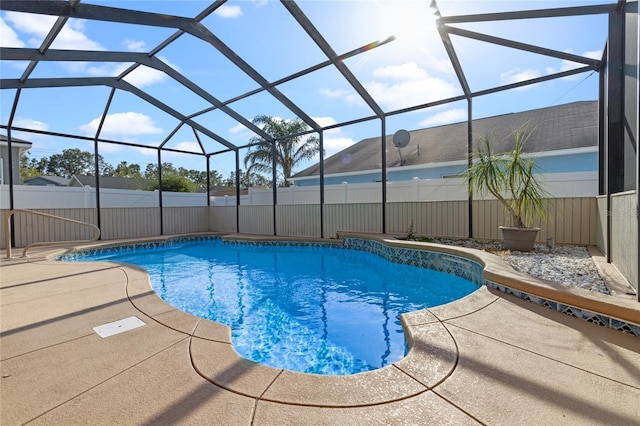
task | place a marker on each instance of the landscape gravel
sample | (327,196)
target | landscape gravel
(569,265)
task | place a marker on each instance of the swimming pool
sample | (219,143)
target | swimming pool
(315,308)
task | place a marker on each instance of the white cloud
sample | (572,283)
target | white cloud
(101,70)
(407,71)
(238,128)
(151,152)
(399,86)
(324,121)
(122,125)
(408,86)
(333,145)
(593,54)
(135,45)
(332,93)
(333,139)
(38,26)
(188,146)
(8,37)
(226,11)
(144,76)
(72,37)
(517,75)
(442,65)
(29,123)
(568,65)
(445,117)
(31,25)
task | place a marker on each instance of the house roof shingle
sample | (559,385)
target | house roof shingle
(560,127)
(47,180)
(109,182)
(19,142)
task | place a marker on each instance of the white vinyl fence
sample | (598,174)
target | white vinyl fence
(558,185)
(63,197)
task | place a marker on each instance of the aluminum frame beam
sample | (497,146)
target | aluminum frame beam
(88,138)
(522,46)
(118,84)
(204,34)
(8,53)
(599,9)
(126,16)
(173,37)
(455,62)
(48,40)
(96,13)
(295,75)
(326,48)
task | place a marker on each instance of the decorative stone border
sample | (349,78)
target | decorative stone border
(439,261)
(134,246)
(573,311)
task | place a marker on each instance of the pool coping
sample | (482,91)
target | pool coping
(501,276)
(433,353)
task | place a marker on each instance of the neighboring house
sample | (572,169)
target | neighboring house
(564,140)
(17,147)
(111,182)
(84,180)
(47,181)
(221,191)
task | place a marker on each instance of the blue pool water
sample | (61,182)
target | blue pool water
(323,310)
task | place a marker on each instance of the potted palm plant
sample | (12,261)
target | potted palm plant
(510,177)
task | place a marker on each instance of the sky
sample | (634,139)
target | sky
(411,70)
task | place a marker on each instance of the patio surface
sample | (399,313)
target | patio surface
(489,358)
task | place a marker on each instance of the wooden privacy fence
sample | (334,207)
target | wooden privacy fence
(569,221)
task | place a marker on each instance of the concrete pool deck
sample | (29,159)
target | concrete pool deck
(489,358)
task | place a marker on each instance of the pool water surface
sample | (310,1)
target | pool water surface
(314,309)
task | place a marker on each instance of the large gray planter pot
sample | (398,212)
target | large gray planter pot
(519,239)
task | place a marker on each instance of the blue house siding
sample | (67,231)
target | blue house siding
(578,162)
(583,162)
(564,139)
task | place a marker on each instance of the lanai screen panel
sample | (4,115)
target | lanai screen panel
(215,66)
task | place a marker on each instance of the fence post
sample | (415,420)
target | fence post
(416,184)
(344,190)
(87,189)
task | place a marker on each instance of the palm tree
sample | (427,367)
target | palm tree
(290,151)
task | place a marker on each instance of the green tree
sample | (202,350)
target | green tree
(174,183)
(127,170)
(247,180)
(74,161)
(199,177)
(151,171)
(30,167)
(290,151)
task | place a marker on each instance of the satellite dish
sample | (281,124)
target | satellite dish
(401,138)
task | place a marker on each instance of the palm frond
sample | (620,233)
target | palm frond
(509,177)
(289,150)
